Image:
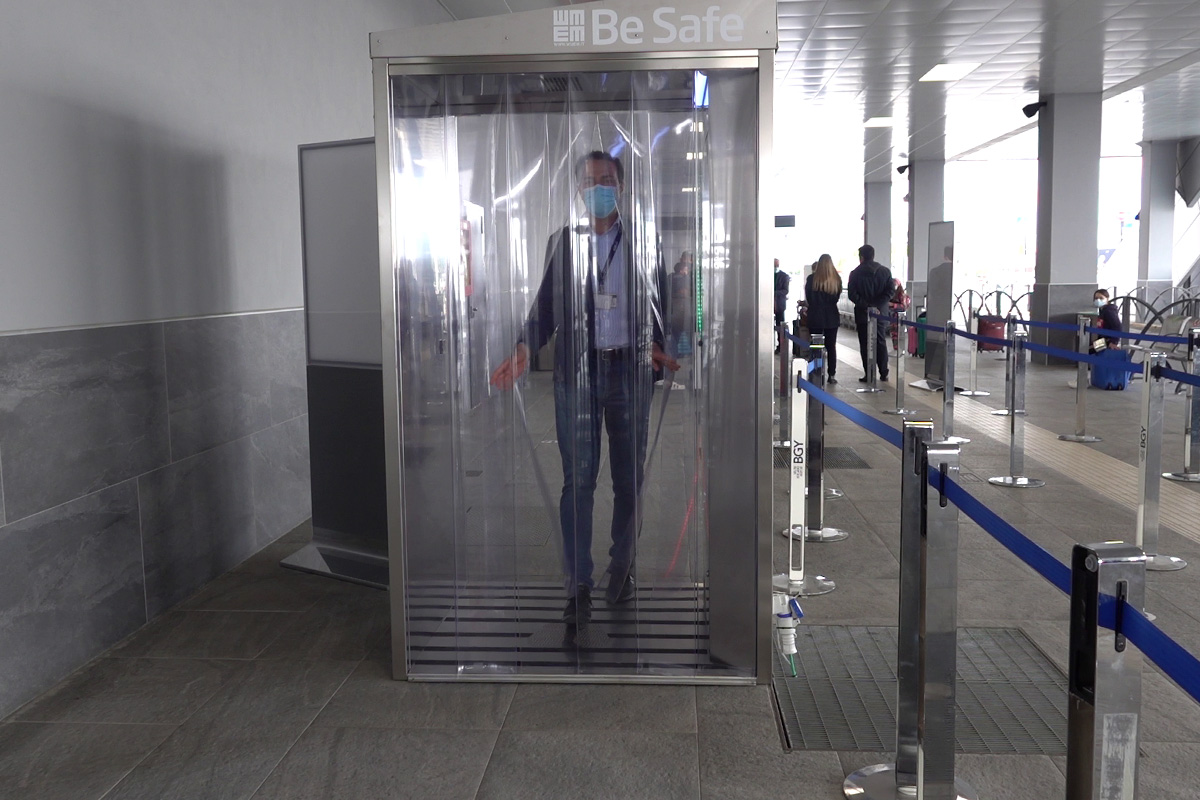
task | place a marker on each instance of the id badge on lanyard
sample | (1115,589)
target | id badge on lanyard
(606,301)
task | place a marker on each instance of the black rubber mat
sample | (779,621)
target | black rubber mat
(1011,699)
(844,458)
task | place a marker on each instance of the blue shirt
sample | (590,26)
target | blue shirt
(612,324)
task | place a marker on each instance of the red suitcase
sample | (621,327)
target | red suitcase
(992,327)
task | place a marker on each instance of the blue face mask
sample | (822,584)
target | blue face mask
(600,200)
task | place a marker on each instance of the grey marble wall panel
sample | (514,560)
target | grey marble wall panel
(218,381)
(79,411)
(283,341)
(198,521)
(70,587)
(280,473)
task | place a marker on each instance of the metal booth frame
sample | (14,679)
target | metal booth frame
(388,61)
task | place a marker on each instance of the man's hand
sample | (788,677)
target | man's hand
(514,367)
(662,360)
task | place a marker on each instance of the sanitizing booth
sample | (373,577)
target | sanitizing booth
(577,342)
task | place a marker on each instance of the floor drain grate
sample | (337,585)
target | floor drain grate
(1011,698)
(844,458)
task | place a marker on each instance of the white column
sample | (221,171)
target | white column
(926,204)
(877,193)
(1068,205)
(1156,231)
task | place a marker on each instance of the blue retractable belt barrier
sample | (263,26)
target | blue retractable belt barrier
(1141,337)
(975,337)
(1176,375)
(1053,326)
(796,339)
(1087,358)
(820,362)
(880,429)
(924,326)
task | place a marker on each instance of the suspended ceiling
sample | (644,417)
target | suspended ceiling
(865,57)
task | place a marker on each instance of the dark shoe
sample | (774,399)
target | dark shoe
(579,607)
(883,378)
(619,592)
(832,380)
(863,379)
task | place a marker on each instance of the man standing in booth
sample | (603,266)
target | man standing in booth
(603,296)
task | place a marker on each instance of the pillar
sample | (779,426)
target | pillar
(926,204)
(1068,205)
(1156,231)
(877,193)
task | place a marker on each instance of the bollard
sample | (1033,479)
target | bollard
(815,514)
(1105,682)
(1010,331)
(901,349)
(948,390)
(1149,466)
(872,378)
(1016,425)
(1191,425)
(1081,384)
(926,649)
(974,390)
(797,580)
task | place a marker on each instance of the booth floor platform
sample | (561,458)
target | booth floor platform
(274,684)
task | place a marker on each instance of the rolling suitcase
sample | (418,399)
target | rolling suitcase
(921,336)
(992,327)
(1114,377)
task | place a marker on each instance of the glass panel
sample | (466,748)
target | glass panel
(576,312)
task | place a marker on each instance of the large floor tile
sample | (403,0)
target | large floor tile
(206,634)
(228,747)
(370,698)
(132,690)
(1168,715)
(742,757)
(1011,777)
(277,589)
(349,624)
(72,761)
(605,707)
(579,765)
(1169,771)
(372,763)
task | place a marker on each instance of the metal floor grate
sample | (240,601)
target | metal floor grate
(781,457)
(1011,699)
(844,458)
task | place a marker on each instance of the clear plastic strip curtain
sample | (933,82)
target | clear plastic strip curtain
(560,255)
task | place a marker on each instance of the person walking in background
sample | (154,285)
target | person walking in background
(1110,317)
(870,288)
(822,289)
(782,281)
(683,307)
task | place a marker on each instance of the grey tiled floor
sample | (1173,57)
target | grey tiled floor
(273,684)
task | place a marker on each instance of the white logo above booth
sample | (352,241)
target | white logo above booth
(617,26)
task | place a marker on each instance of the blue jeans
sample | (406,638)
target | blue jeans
(619,395)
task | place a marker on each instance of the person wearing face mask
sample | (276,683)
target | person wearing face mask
(602,295)
(1110,317)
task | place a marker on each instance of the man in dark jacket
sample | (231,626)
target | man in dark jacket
(782,282)
(870,287)
(604,355)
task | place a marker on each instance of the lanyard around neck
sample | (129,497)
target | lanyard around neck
(602,273)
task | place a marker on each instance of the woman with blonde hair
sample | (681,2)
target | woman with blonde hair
(822,289)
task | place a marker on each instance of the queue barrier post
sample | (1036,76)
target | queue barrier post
(1081,384)
(973,389)
(1149,468)
(1191,430)
(815,530)
(872,377)
(926,649)
(1010,331)
(901,350)
(784,349)
(1016,477)
(1105,682)
(798,581)
(948,389)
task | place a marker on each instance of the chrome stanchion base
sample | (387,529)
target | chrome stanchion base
(975,393)
(1161,563)
(1017,482)
(1003,412)
(1075,437)
(955,440)
(825,535)
(832,493)
(1186,477)
(869,390)
(809,586)
(878,782)
(901,412)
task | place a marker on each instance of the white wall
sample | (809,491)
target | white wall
(148,164)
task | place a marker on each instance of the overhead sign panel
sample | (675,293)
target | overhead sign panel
(602,27)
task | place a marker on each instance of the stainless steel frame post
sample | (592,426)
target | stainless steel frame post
(872,377)
(1149,469)
(1009,331)
(1105,683)
(901,350)
(927,640)
(1191,430)
(973,326)
(1081,384)
(1016,427)
(797,580)
(815,516)
(948,389)
(784,375)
